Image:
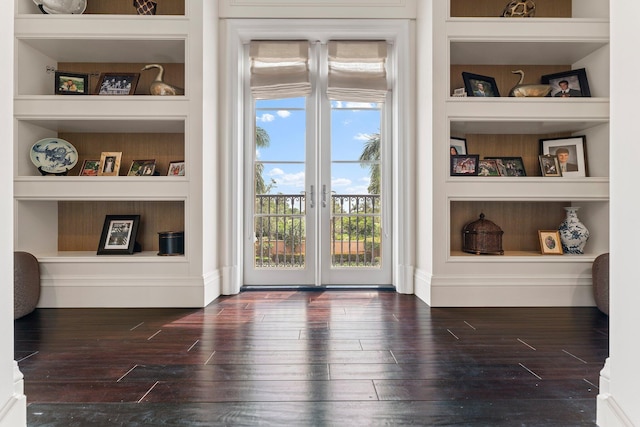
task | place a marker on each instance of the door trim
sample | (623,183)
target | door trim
(240,31)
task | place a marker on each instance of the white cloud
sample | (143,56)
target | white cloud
(266,118)
(276,172)
(363,137)
(257,153)
(284,113)
(340,182)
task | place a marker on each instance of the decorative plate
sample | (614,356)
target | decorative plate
(54,155)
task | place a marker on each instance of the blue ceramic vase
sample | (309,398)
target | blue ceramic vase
(573,233)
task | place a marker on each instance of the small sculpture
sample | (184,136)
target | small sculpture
(158,86)
(519,9)
(61,6)
(532,90)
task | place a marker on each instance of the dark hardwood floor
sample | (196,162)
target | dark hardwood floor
(322,358)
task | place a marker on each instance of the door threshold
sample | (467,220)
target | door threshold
(317,288)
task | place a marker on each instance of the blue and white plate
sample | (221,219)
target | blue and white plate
(54,155)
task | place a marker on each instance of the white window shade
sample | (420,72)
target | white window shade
(279,69)
(357,71)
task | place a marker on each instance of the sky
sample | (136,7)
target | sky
(284,121)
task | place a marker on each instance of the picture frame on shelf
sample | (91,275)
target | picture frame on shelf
(110,163)
(176,168)
(117,83)
(509,166)
(142,168)
(458,146)
(464,165)
(550,243)
(89,168)
(119,234)
(549,165)
(571,152)
(67,83)
(480,86)
(488,167)
(574,82)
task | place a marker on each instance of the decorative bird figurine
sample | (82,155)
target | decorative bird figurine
(158,86)
(532,90)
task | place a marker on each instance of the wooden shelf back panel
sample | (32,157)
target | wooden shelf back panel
(173,73)
(125,7)
(505,79)
(520,221)
(163,147)
(494,8)
(80,223)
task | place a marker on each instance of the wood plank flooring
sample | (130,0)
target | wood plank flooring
(312,358)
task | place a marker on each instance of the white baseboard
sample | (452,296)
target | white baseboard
(13,413)
(504,291)
(127,292)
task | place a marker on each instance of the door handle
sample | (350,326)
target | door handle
(312,196)
(324,196)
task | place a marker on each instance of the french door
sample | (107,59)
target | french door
(317,193)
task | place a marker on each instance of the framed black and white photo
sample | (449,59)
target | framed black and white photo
(71,83)
(478,85)
(568,84)
(571,152)
(119,234)
(457,146)
(117,83)
(464,165)
(549,165)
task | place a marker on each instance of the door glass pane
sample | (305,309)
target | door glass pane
(356,214)
(279,183)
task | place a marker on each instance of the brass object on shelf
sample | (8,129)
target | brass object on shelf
(482,237)
(158,86)
(519,9)
(528,90)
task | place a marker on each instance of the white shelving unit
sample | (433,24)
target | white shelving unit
(520,206)
(57,218)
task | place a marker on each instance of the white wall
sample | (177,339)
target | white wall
(12,399)
(619,396)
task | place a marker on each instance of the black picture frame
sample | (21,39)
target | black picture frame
(115,84)
(510,166)
(465,165)
(575,149)
(472,82)
(457,146)
(67,83)
(577,83)
(119,234)
(549,165)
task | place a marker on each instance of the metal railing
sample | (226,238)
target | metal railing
(280,231)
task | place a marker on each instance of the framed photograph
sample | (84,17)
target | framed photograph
(71,83)
(571,152)
(509,166)
(109,163)
(90,168)
(488,167)
(477,85)
(550,242)
(142,168)
(549,165)
(119,234)
(568,84)
(117,83)
(464,165)
(176,168)
(458,146)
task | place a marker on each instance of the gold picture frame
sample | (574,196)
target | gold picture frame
(110,163)
(550,243)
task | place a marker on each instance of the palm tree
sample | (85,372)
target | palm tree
(262,140)
(370,158)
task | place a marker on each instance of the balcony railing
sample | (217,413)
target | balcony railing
(354,232)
